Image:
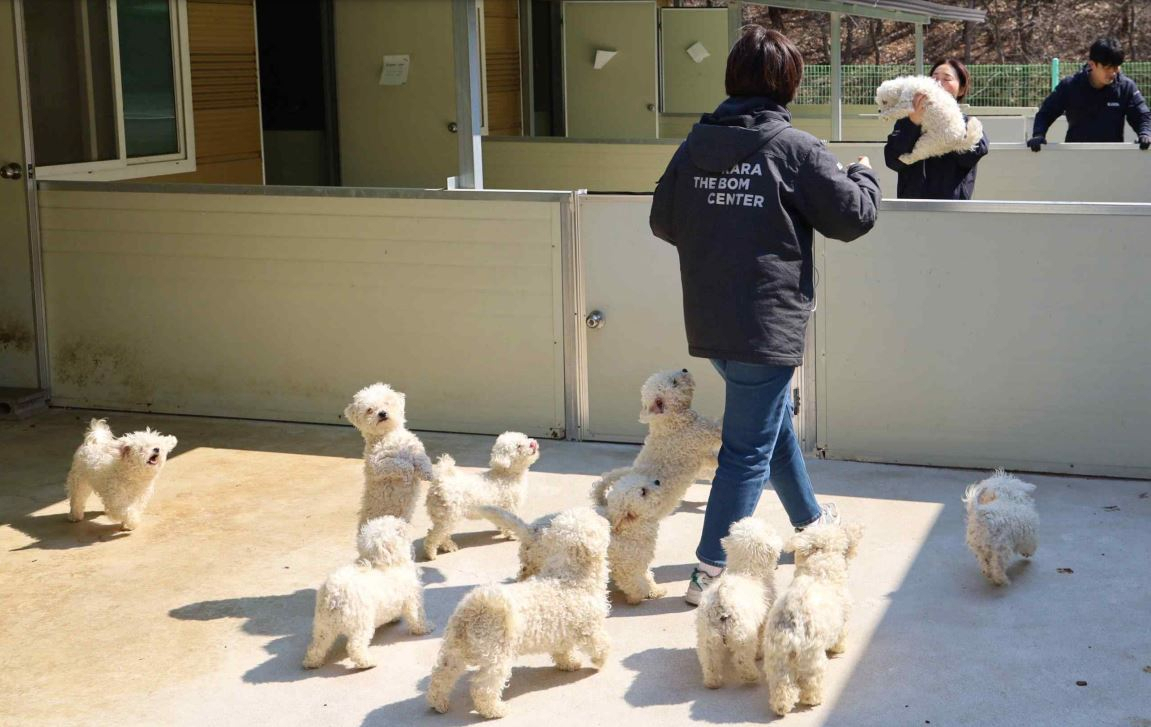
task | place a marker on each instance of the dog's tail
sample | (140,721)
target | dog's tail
(599,492)
(505,520)
(484,624)
(98,431)
(444,468)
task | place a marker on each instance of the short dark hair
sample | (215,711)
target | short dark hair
(960,72)
(763,62)
(1107,52)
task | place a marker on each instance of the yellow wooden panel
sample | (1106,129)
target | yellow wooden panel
(240,171)
(221,27)
(224,133)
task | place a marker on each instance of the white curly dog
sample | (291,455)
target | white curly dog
(559,611)
(681,444)
(394,459)
(454,494)
(531,555)
(944,129)
(635,506)
(810,619)
(382,586)
(732,613)
(122,471)
(1001,521)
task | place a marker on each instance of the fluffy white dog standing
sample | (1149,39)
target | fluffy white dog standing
(1001,521)
(558,611)
(680,443)
(635,506)
(810,619)
(733,612)
(122,471)
(944,130)
(454,495)
(394,459)
(379,588)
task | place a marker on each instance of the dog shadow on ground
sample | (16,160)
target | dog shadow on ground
(667,677)
(56,532)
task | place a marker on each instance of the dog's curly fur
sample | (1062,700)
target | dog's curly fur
(122,471)
(635,506)
(944,129)
(1001,521)
(733,611)
(557,611)
(810,619)
(532,557)
(454,495)
(382,586)
(680,444)
(394,459)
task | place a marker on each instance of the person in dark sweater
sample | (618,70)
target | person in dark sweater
(739,201)
(1096,101)
(951,176)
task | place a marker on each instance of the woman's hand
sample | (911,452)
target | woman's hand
(864,161)
(916,116)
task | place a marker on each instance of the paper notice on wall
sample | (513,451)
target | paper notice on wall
(698,52)
(602,57)
(395,72)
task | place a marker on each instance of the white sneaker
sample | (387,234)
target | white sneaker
(829,515)
(700,582)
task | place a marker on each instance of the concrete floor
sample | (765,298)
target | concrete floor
(202,615)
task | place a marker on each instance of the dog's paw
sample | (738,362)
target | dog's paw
(439,703)
(657,592)
(449,546)
(907,158)
(748,677)
(713,682)
(74,519)
(422,629)
(568,664)
(364,663)
(495,710)
(315,663)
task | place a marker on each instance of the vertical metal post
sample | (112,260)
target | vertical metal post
(527,73)
(919,67)
(1054,73)
(466,42)
(836,81)
(734,21)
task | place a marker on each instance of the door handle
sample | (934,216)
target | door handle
(12,170)
(595,319)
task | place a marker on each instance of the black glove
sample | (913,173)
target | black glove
(1036,143)
(1144,142)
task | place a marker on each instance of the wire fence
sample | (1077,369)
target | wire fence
(991,84)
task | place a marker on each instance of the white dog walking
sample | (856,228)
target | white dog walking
(1001,521)
(122,471)
(944,129)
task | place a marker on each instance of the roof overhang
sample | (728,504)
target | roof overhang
(920,12)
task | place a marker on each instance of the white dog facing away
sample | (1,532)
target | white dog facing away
(122,471)
(382,586)
(944,130)
(635,506)
(680,444)
(732,613)
(810,619)
(532,557)
(558,611)
(454,495)
(1001,521)
(394,459)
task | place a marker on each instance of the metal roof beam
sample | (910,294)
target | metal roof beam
(832,6)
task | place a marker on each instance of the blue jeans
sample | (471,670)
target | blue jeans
(759,443)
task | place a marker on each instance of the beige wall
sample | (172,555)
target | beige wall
(396,136)
(282,307)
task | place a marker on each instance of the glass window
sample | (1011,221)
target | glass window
(146,77)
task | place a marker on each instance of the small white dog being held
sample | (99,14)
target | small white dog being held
(382,586)
(559,611)
(810,619)
(394,459)
(1001,521)
(944,130)
(732,613)
(454,494)
(122,471)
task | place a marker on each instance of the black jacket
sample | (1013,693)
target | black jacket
(951,176)
(1094,114)
(739,200)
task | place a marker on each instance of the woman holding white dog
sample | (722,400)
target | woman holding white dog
(951,176)
(739,200)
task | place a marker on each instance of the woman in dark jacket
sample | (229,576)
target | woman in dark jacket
(951,176)
(739,200)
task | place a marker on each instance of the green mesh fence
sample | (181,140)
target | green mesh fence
(991,84)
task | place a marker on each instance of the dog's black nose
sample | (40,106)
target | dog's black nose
(657,483)
(155,450)
(383,416)
(685,371)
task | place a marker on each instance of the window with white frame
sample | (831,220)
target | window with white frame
(109,88)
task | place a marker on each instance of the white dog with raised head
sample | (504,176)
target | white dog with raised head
(810,619)
(1001,521)
(944,129)
(733,611)
(382,586)
(394,459)
(454,495)
(635,506)
(122,471)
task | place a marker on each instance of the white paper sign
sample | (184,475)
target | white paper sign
(395,71)
(602,57)
(698,52)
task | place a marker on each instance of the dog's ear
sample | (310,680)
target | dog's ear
(125,451)
(170,443)
(350,412)
(656,406)
(501,459)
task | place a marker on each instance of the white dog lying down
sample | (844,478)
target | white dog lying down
(454,495)
(810,619)
(394,458)
(1001,521)
(122,471)
(379,588)
(944,130)
(733,611)
(558,611)
(680,444)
